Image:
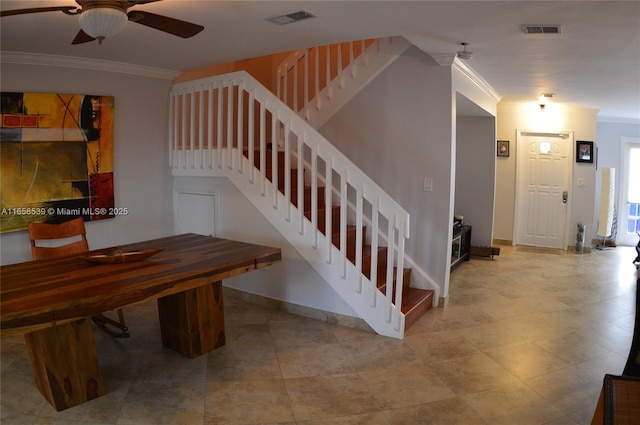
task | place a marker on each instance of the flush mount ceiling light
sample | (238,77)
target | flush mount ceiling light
(103,21)
(291,17)
(464,53)
(544,98)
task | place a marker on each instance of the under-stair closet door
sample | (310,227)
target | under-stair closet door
(194,213)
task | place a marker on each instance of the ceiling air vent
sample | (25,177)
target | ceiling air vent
(541,29)
(291,17)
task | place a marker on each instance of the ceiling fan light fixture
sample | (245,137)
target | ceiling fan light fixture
(103,22)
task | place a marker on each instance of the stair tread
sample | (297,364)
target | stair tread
(415,304)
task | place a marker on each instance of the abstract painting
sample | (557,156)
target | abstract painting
(56,158)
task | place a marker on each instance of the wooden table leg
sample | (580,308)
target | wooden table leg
(65,363)
(192,322)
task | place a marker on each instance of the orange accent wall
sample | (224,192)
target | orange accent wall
(262,69)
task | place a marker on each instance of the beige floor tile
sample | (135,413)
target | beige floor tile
(324,397)
(526,339)
(405,386)
(243,363)
(453,411)
(526,360)
(573,347)
(441,345)
(379,353)
(251,402)
(493,336)
(512,404)
(467,375)
(164,402)
(322,359)
(569,389)
(377,418)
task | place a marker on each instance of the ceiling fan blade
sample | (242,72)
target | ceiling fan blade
(136,2)
(173,26)
(82,37)
(65,9)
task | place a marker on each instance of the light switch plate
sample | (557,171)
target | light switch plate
(428,184)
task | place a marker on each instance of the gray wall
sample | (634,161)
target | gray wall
(398,134)
(475,175)
(141,173)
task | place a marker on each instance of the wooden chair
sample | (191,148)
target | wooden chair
(71,239)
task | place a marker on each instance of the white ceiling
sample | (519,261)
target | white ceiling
(594,63)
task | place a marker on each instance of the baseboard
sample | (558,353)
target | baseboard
(299,310)
(585,250)
(502,242)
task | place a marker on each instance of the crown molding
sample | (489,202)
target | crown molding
(443,59)
(618,120)
(475,78)
(23,58)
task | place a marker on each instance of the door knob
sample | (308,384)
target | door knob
(565,197)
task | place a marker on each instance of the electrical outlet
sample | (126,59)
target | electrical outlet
(428,184)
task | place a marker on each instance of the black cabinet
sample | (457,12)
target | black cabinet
(461,245)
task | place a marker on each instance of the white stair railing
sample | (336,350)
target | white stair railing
(227,124)
(317,82)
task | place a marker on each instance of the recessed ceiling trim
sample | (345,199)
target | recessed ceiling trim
(541,29)
(22,58)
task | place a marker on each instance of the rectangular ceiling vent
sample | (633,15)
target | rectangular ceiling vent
(541,29)
(291,17)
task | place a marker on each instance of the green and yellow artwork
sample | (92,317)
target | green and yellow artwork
(56,158)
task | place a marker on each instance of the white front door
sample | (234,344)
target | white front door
(629,194)
(543,183)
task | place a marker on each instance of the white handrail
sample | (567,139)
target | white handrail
(332,61)
(317,82)
(233,128)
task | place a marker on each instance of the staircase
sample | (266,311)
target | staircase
(336,217)
(415,302)
(317,82)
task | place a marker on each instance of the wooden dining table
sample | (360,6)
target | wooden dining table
(52,301)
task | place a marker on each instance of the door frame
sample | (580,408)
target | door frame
(625,143)
(520,133)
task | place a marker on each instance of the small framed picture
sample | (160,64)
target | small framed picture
(584,151)
(503,148)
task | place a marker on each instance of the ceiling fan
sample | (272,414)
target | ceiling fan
(100,19)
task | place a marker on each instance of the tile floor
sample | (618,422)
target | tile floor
(525,340)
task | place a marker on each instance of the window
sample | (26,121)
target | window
(545,148)
(633,218)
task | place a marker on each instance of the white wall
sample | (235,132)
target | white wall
(610,134)
(554,118)
(293,280)
(142,179)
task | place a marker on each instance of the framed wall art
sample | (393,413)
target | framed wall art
(584,151)
(503,148)
(56,158)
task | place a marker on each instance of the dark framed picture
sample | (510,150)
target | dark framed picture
(503,148)
(584,151)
